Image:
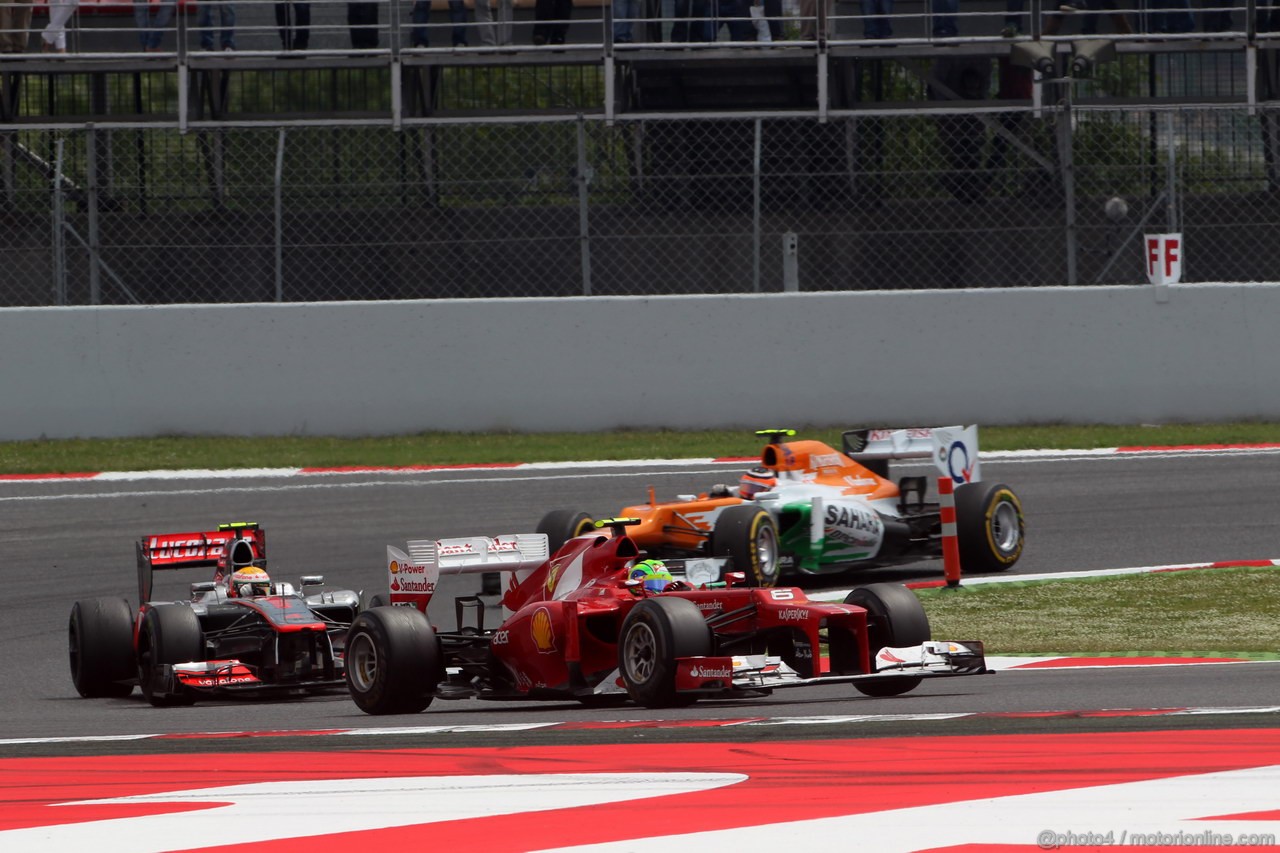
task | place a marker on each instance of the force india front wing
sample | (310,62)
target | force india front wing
(931,659)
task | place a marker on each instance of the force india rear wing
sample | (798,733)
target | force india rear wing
(412,576)
(197,549)
(954,449)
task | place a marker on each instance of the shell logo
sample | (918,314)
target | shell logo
(553,573)
(544,637)
(395,567)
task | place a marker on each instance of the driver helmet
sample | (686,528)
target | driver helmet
(758,479)
(249,581)
(653,573)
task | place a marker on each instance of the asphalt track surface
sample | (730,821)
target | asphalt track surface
(68,540)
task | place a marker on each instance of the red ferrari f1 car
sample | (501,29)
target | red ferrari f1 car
(577,625)
(227,637)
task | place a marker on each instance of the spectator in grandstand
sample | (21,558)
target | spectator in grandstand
(294,23)
(226,29)
(362,21)
(552,18)
(1119,23)
(626,13)
(944,18)
(494,34)
(153,19)
(15,25)
(1170,16)
(420,35)
(735,15)
(1215,15)
(54,37)
(809,18)
(693,21)
(875,24)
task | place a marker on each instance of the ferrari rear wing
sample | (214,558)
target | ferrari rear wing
(412,576)
(197,549)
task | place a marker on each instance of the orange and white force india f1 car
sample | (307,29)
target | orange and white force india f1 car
(215,641)
(577,626)
(830,510)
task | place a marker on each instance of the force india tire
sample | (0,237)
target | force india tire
(654,634)
(170,633)
(393,661)
(100,646)
(748,535)
(895,618)
(989,527)
(561,525)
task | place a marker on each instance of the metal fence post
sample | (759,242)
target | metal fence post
(1171,175)
(59,229)
(755,213)
(279,212)
(1067,166)
(91,191)
(584,222)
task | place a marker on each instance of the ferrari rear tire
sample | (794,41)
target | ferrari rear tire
(100,646)
(393,661)
(989,526)
(170,633)
(749,536)
(655,633)
(895,618)
(561,525)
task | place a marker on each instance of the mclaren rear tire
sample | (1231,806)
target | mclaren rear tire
(748,535)
(393,661)
(655,633)
(100,646)
(561,525)
(170,633)
(989,526)
(895,618)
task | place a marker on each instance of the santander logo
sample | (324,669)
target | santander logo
(712,672)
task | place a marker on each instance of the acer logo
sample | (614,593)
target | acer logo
(501,638)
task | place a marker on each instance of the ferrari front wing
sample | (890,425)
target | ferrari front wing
(931,659)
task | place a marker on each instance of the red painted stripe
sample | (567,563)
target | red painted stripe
(1120,661)
(1169,447)
(359,469)
(736,459)
(80,475)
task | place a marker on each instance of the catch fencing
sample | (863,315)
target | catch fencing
(979,197)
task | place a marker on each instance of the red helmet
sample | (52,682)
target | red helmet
(758,479)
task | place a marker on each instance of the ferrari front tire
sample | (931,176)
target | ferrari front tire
(748,535)
(989,526)
(100,647)
(895,618)
(392,661)
(170,634)
(655,633)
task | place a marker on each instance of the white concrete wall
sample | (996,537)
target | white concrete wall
(1086,355)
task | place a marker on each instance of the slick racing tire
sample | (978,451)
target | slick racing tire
(748,535)
(170,633)
(100,645)
(895,618)
(989,527)
(561,525)
(654,634)
(393,661)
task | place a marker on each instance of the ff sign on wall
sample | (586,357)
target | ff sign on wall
(1164,258)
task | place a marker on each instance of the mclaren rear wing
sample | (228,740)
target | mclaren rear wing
(164,551)
(412,576)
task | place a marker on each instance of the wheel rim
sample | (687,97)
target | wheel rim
(767,552)
(640,653)
(362,662)
(1004,527)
